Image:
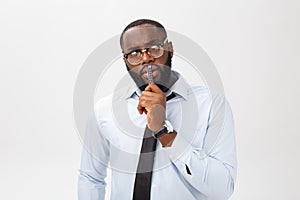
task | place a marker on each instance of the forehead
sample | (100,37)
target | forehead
(141,36)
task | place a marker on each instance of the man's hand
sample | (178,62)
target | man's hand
(153,104)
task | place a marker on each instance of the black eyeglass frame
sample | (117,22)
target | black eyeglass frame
(161,45)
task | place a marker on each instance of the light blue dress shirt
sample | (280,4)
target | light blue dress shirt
(200,164)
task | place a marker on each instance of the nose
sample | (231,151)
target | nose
(146,58)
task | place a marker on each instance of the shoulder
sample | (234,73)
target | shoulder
(201,93)
(209,97)
(199,90)
(103,103)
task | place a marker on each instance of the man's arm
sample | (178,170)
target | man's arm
(91,184)
(206,174)
(210,174)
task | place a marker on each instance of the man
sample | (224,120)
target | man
(177,120)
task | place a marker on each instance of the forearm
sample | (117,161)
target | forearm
(90,188)
(209,176)
(91,178)
(210,171)
(94,160)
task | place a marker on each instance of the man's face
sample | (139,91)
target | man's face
(145,36)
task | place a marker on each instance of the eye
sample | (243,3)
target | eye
(154,47)
(134,57)
(155,50)
(133,54)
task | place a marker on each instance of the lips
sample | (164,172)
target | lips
(144,70)
(144,73)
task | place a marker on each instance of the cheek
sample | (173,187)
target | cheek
(136,69)
(163,59)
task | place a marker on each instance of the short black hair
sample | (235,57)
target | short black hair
(140,22)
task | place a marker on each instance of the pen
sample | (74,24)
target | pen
(149,73)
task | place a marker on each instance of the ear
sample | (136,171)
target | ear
(170,48)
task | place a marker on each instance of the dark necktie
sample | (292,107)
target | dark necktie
(142,184)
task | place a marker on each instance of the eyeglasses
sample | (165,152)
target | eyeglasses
(155,51)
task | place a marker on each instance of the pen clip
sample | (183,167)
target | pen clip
(149,74)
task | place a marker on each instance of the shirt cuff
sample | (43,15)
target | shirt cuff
(179,149)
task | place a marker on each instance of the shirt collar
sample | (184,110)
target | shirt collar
(180,87)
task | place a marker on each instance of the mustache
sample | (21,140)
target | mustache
(145,66)
(164,71)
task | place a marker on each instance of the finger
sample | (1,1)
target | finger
(149,100)
(154,88)
(152,95)
(148,88)
(143,106)
(148,93)
(140,108)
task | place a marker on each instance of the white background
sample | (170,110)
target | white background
(254,44)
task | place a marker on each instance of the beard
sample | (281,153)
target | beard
(162,83)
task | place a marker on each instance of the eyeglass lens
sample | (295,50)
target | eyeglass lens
(136,56)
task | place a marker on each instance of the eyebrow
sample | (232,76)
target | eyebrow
(155,41)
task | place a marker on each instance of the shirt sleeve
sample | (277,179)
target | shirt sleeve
(208,171)
(94,160)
